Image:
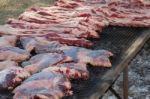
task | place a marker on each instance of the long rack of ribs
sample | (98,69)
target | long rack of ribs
(44,85)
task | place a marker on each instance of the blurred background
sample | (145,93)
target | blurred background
(12,8)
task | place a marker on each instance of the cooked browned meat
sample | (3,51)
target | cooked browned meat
(41,61)
(71,70)
(11,77)
(43,85)
(13,53)
(7,64)
(8,40)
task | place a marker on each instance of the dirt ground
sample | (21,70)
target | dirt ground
(139,71)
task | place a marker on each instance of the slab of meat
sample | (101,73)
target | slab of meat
(11,77)
(127,15)
(72,41)
(43,85)
(7,64)
(38,44)
(41,61)
(13,53)
(68,39)
(8,40)
(83,55)
(71,70)
(75,26)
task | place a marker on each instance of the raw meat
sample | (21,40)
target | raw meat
(13,53)
(83,55)
(72,41)
(38,44)
(7,64)
(71,70)
(8,40)
(11,77)
(44,85)
(41,61)
(68,39)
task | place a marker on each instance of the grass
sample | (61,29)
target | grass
(13,8)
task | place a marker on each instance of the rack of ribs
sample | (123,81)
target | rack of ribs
(44,85)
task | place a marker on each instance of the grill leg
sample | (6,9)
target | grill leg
(125,83)
(115,93)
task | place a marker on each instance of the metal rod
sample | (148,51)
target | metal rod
(115,93)
(125,83)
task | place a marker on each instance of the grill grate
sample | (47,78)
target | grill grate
(114,39)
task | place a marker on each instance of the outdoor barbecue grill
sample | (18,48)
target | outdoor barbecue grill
(125,43)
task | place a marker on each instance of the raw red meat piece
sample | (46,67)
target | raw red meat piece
(127,15)
(7,64)
(94,57)
(8,40)
(41,61)
(72,41)
(83,55)
(38,44)
(44,85)
(11,77)
(67,4)
(13,53)
(68,39)
(71,70)
(55,32)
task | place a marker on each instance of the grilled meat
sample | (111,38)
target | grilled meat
(44,85)
(13,53)
(8,40)
(83,55)
(41,61)
(38,44)
(11,77)
(71,70)
(7,64)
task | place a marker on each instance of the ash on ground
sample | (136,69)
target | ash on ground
(139,77)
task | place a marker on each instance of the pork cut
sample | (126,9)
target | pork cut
(43,85)
(38,44)
(68,39)
(13,53)
(83,55)
(7,64)
(71,70)
(7,40)
(11,77)
(41,61)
